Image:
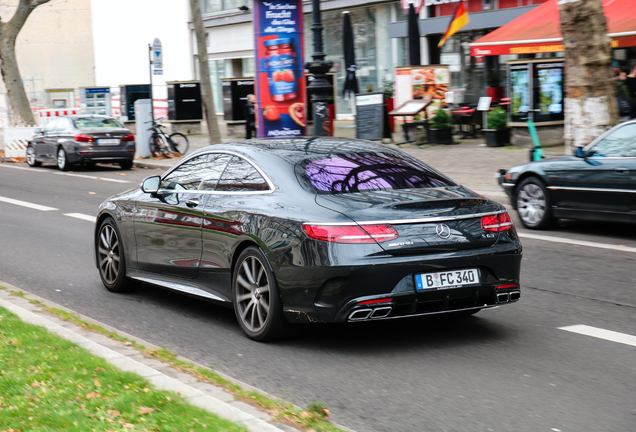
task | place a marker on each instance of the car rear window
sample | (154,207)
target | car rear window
(97,123)
(359,172)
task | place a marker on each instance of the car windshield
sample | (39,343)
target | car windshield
(97,123)
(359,172)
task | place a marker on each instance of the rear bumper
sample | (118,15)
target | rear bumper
(388,290)
(90,155)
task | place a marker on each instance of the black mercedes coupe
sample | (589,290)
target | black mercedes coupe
(597,183)
(311,230)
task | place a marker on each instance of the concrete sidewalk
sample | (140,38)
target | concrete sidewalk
(470,162)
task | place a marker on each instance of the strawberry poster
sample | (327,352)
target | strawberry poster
(280,80)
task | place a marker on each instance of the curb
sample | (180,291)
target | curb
(202,395)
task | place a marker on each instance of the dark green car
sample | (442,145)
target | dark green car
(598,183)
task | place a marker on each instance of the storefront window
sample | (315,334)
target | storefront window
(219,69)
(248,67)
(208,6)
(467,72)
(372,45)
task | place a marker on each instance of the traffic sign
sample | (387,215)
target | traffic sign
(158,71)
(157,60)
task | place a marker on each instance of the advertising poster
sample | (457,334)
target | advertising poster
(280,81)
(520,97)
(548,97)
(423,82)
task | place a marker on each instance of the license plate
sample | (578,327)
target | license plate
(107,141)
(447,279)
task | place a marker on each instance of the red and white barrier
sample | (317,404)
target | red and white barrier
(45,116)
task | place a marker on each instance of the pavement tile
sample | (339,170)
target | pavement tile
(129,365)
(252,410)
(213,391)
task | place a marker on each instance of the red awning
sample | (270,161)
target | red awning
(539,30)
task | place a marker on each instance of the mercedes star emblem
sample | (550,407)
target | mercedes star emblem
(443,231)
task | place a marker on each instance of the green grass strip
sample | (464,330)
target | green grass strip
(314,418)
(51,384)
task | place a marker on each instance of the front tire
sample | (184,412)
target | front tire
(30,157)
(62,161)
(256,299)
(533,204)
(111,259)
(179,143)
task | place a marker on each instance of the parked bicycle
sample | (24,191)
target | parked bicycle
(161,143)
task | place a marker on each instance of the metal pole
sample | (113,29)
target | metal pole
(152,108)
(320,88)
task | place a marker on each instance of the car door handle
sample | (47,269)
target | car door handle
(621,170)
(192,202)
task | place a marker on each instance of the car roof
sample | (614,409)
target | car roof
(79,116)
(298,149)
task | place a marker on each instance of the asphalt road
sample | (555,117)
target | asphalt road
(510,368)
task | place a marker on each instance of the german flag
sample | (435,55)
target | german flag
(459,20)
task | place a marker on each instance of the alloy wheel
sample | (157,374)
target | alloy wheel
(252,294)
(30,157)
(108,254)
(531,203)
(61,158)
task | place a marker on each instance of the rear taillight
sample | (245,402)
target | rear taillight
(129,137)
(84,138)
(497,223)
(351,233)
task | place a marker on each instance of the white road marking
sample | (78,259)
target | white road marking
(26,204)
(92,177)
(81,216)
(67,174)
(601,334)
(577,242)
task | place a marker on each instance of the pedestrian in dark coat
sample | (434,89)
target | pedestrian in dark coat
(250,116)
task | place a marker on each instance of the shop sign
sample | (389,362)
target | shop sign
(280,80)
(506,49)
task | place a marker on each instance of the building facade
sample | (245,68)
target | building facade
(381,43)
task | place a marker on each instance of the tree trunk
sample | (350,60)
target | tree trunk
(13,80)
(204,73)
(590,100)
(8,62)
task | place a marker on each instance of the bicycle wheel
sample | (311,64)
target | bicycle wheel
(178,143)
(158,145)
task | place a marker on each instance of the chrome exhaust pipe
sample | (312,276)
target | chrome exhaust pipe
(515,295)
(381,312)
(503,297)
(360,314)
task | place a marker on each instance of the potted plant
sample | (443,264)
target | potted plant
(497,131)
(493,81)
(441,127)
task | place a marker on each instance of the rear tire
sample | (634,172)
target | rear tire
(179,143)
(62,160)
(255,296)
(30,157)
(126,165)
(111,260)
(157,146)
(534,204)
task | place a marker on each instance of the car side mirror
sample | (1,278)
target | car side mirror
(579,152)
(151,184)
